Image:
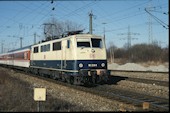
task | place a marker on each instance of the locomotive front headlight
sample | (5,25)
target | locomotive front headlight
(80,65)
(103,64)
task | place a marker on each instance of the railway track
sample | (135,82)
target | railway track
(155,103)
(147,77)
(136,71)
(134,98)
(115,79)
(147,81)
(104,90)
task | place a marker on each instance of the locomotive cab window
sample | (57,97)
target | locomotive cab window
(96,43)
(83,43)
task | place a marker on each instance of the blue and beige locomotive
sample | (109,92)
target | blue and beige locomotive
(77,58)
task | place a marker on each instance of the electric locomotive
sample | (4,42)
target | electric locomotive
(75,57)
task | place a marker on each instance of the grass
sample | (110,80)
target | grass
(17,96)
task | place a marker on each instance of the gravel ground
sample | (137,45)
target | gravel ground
(149,89)
(87,101)
(90,102)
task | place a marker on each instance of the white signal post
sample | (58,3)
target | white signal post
(39,95)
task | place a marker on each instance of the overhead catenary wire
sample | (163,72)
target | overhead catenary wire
(22,18)
(116,19)
(102,14)
(122,10)
(158,20)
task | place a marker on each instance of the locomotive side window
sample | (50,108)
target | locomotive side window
(56,46)
(48,47)
(42,48)
(36,49)
(96,43)
(68,43)
(45,48)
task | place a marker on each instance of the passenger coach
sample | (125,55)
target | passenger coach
(19,58)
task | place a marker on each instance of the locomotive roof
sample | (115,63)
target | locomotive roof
(76,35)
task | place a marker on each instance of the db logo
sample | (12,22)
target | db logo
(92,55)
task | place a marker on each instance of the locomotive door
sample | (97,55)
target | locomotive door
(63,62)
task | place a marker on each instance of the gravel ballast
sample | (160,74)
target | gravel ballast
(137,67)
(88,101)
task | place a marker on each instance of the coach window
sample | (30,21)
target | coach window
(56,46)
(36,49)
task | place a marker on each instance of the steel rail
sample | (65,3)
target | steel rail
(137,71)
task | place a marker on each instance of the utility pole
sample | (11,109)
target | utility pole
(104,30)
(111,53)
(34,38)
(150,38)
(21,42)
(150,30)
(2,44)
(129,38)
(90,23)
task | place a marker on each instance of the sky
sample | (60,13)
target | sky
(140,21)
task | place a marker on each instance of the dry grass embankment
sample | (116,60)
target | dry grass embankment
(17,96)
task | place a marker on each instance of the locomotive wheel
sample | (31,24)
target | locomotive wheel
(94,79)
(72,80)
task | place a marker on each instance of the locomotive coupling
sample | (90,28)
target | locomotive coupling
(99,72)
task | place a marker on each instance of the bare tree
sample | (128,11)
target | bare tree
(110,52)
(54,28)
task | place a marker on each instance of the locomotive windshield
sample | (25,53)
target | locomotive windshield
(95,43)
(83,42)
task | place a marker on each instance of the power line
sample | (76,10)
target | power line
(21,38)
(78,9)
(123,10)
(158,20)
(129,38)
